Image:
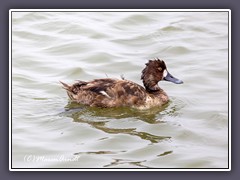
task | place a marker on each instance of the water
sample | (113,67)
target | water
(191,131)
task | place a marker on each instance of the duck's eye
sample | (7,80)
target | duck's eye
(160,69)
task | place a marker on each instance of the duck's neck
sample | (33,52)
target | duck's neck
(151,77)
(151,87)
(150,84)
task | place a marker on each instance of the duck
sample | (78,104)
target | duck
(110,92)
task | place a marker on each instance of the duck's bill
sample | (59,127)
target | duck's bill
(169,77)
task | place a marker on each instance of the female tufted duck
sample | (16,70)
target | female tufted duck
(109,92)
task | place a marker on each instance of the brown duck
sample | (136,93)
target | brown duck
(109,92)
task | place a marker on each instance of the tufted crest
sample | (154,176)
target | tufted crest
(152,74)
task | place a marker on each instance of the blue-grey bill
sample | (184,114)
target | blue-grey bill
(170,78)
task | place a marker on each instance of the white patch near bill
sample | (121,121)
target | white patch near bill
(165,73)
(105,94)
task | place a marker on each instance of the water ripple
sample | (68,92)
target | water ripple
(190,131)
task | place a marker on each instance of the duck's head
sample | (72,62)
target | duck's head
(155,71)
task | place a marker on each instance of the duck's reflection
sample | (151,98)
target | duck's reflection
(99,117)
(102,118)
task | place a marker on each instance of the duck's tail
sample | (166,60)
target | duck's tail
(65,86)
(69,89)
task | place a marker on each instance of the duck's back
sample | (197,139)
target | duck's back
(107,93)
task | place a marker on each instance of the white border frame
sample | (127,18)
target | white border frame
(119,10)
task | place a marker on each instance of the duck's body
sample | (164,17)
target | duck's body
(121,93)
(114,93)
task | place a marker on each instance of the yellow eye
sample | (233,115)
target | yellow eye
(160,69)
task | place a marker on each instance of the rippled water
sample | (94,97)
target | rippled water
(191,131)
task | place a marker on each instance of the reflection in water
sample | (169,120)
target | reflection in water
(99,117)
(148,116)
(98,152)
(166,153)
(151,116)
(117,162)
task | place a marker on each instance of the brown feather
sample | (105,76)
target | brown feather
(109,92)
